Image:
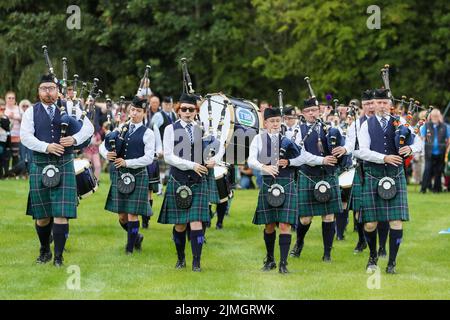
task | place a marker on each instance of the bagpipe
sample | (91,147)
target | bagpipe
(70,125)
(333,135)
(404,132)
(115,139)
(288,148)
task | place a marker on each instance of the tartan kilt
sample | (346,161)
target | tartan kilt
(57,202)
(199,210)
(355,203)
(374,207)
(287,213)
(153,176)
(308,206)
(212,185)
(133,203)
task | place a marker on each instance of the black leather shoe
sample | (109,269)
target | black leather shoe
(326,258)
(219,226)
(269,264)
(382,252)
(144,224)
(283,267)
(391,268)
(196,266)
(360,246)
(181,264)
(340,238)
(296,251)
(372,263)
(58,262)
(138,243)
(45,255)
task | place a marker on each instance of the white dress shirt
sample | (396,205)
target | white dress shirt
(376,157)
(31,142)
(149,149)
(178,162)
(350,139)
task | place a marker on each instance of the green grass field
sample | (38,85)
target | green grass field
(231,260)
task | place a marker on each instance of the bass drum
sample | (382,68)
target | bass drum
(241,123)
(86,181)
(223,185)
(346,178)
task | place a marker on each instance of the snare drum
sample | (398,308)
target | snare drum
(346,178)
(223,187)
(241,123)
(86,180)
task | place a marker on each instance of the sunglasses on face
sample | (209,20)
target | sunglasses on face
(191,110)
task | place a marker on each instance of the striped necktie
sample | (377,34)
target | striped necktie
(384,123)
(189,130)
(51,112)
(132,127)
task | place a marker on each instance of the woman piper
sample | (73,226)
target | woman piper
(187,195)
(131,151)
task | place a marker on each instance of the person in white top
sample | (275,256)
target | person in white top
(384,195)
(53,189)
(188,190)
(131,151)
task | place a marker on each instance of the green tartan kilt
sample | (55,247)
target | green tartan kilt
(355,203)
(133,203)
(287,213)
(374,207)
(199,210)
(212,185)
(58,202)
(308,206)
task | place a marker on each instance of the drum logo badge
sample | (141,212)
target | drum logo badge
(245,117)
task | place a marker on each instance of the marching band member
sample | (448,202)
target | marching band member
(318,187)
(187,193)
(384,193)
(275,206)
(290,120)
(53,190)
(131,153)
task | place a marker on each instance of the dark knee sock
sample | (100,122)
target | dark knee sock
(341,222)
(133,231)
(269,239)
(371,238)
(302,229)
(285,242)
(197,239)
(360,228)
(221,210)
(383,230)
(44,235)
(60,235)
(327,235)
(124,225)
(180,242)
(395,238)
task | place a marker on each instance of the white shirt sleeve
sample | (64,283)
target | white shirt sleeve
(157,120)
(158,142)
(255,148)
(350,139)
(102,150)
(86,131)
(169,156)
(364,144)
(27,133)
(149,152)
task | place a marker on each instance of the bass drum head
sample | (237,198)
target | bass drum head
(80,164)
(220,172)
(346,178)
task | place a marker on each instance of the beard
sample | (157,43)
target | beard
(47,99)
